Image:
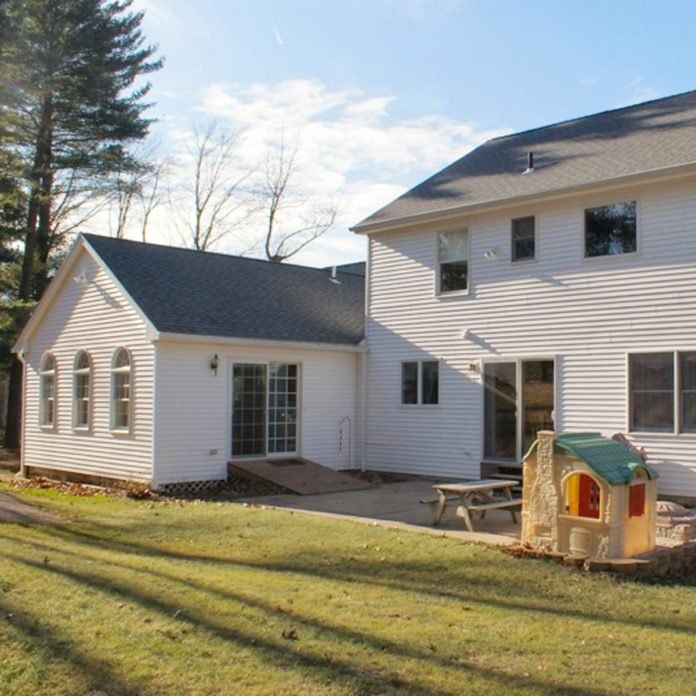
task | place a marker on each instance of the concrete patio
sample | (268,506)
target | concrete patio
(397,505)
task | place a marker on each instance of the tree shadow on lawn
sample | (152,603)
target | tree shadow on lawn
(492,586)
(322,666)
(56,646)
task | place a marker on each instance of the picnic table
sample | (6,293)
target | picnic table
(475,497)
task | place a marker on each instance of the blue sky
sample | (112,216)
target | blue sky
(381,94)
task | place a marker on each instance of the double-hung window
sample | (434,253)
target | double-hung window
(47,406)
(420,383)
(523,237)
(611,229)
(121,387)
(453,261)
(82,391)
(662,391)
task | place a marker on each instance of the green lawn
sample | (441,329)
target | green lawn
(217,598)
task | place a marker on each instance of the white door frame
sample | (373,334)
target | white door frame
(230,410)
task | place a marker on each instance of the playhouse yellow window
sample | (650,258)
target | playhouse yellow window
(582,496)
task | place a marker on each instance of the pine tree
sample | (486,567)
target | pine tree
(73,78)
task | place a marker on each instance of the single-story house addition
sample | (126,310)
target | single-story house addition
(154,364)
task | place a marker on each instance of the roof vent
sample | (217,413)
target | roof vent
(334,276)
(530,163)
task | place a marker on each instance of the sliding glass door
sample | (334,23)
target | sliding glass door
(537,400)
(248,410)
(500,405)
(518,401)
(264,409)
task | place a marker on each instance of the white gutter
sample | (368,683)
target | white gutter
(232,341)
(659,174)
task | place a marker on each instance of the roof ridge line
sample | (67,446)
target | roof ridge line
(87,235)
(589,116)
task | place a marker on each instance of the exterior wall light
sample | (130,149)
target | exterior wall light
(214,364)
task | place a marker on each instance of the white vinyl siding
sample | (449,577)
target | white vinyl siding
(193,407)
(98,318)
(587,314)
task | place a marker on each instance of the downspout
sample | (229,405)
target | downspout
(363,361)
(22,436)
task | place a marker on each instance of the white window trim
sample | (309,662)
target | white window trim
(452,293)
(612,257)
(419,384)
(49,427)
(677,429)
(120,430)
(535,258)
(79,427)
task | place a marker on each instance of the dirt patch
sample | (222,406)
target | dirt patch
(379,477)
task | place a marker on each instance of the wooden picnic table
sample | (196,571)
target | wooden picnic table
(476,497)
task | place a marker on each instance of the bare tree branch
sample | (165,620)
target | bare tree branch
(220,199)
(281,242)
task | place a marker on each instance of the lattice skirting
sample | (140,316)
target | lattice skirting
(188,487)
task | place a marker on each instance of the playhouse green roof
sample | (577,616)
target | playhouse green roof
(610,460)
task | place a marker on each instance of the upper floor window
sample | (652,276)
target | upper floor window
(523,239)
(121,385)
(82,390)
(420,383)
(453,261)
(611,229)
(47,406)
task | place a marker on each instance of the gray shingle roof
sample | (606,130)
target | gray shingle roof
(632,140)
(208,294)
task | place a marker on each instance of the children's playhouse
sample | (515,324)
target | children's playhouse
(587,496)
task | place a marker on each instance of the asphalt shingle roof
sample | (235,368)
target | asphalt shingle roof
(632,140)
(610,460)
(208,294)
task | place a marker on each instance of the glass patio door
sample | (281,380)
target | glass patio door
(264,409)
(537,400)
(500,409)
(248,410)
(518,402)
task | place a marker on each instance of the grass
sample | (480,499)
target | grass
(130,597)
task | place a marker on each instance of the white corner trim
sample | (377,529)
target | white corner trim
(232,341)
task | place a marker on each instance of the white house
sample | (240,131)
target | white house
(545,280)
(154,364)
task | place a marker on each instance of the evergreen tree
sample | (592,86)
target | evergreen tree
(72,74)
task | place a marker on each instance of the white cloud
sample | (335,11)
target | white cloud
(350,150)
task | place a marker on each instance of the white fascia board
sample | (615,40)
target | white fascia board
(151,331)
(649,176)
(261,343)
(22,343)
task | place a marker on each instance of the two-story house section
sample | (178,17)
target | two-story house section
(545,280)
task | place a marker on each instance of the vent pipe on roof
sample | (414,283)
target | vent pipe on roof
(334,277)
(530,163)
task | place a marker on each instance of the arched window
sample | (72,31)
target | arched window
(582,496)
(47,405)
(121,387)
(82,390)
